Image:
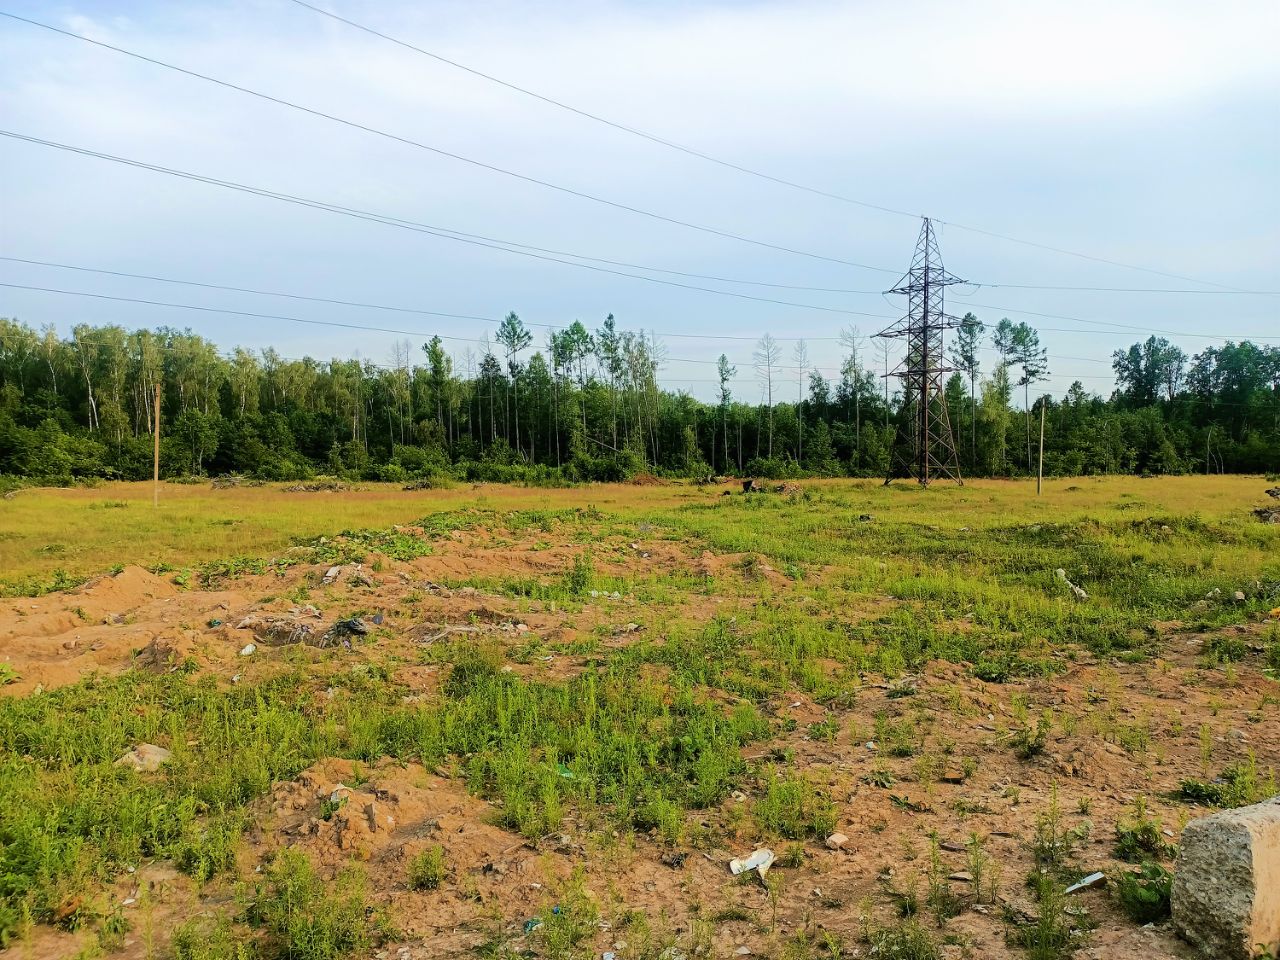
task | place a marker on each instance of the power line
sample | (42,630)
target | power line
(634,131)
(456,316)
(521,249)
(441,232)
(356,125)
(663,141)
(1087,256)
(303,320)
(1112,323)
(1041,286)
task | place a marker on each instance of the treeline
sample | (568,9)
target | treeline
(589,405)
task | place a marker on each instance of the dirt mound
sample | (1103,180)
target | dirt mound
(647,480)
(748,566)
(317,486)
(130,588)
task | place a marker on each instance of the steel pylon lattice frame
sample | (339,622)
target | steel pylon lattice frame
(924,446)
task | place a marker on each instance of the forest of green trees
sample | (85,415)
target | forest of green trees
(589,405)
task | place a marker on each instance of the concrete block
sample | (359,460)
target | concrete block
(1226,888)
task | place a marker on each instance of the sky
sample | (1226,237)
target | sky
(1142,133)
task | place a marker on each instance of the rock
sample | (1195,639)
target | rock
(145,758)
(963,876)
(1226,887)
(951,846)
(248,650)
(1239,595)
(836,841)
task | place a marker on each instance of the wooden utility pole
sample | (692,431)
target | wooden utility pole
(1040,473)
(155,492)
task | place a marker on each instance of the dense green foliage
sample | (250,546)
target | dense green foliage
(590,406)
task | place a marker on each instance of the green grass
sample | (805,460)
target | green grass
(626,743)
(643,735)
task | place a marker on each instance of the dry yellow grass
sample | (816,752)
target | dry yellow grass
(85,531)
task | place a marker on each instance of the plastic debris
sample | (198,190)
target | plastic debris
(760,861)
(1092,880)
(249,650)
(1079,591)
(145,758)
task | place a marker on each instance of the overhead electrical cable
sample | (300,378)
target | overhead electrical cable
(443,233)
(407,141)
(729,164)
(81,268)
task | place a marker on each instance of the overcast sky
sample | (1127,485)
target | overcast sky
(1147,133)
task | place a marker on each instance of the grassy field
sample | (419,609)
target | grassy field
(612,690)
(85,531)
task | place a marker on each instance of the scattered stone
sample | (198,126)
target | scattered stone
(836,841)
(952,846)
(675,860)
(145,758)
(963,876)
(1239,595)
(1226,887)
(1274,493)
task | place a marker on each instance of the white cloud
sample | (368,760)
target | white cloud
(1081,124)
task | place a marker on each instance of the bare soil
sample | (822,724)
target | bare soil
(139,620)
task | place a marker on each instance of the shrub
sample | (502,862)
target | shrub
(906,941)
(1143,894)
(309,921)
(1140,838)
(201,940)
(794,808)
(427,869)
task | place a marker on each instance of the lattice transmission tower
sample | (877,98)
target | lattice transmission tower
(923,446)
